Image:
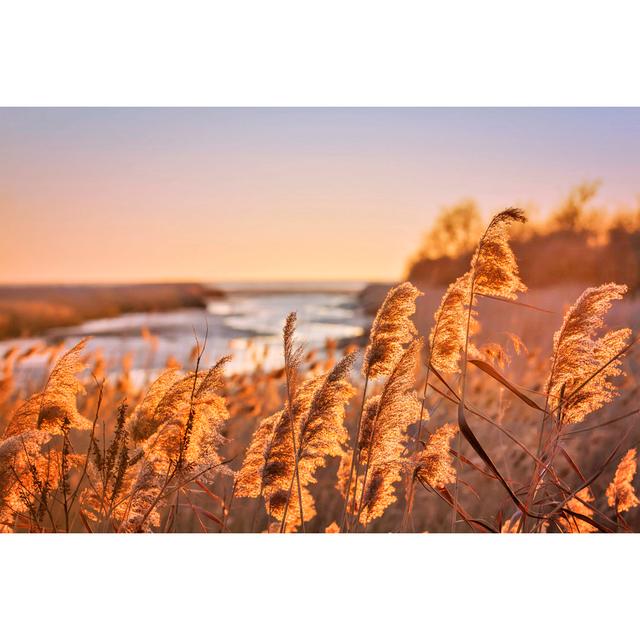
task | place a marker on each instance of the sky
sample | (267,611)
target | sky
(149,195)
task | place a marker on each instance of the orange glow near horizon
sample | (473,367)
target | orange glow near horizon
(93,195)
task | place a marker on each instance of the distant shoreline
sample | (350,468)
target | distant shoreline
(31,310)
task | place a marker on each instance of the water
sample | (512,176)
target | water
(246,324)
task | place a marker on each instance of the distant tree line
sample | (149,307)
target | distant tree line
(578,243)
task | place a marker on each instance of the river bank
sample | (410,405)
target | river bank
(32,310)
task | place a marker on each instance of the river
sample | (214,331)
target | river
(247,324)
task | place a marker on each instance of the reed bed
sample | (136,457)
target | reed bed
(489,413)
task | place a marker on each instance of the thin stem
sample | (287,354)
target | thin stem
(422,408)
(255,512)
(463,386)
(91,437)
(408,508)
(366,468)
(226,510)
(354,457)
(296,471)
(409,503)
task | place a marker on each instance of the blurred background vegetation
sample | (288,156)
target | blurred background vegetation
(579,243)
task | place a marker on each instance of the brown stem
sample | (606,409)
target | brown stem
(86,460)
(354,458)
(296,472)
(226,510)
(463,386)
(408,508)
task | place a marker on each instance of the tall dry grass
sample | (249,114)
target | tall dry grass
(492,411)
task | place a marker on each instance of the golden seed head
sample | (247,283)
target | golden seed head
(390,331)
(620,493)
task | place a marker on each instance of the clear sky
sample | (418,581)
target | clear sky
(256,194)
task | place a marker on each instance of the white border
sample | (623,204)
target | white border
(321,53)
(314,586)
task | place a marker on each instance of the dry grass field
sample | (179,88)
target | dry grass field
(481,407)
